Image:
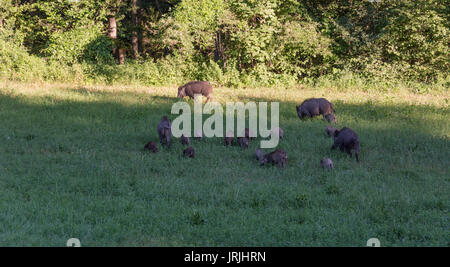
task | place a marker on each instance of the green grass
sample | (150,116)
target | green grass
(72,164)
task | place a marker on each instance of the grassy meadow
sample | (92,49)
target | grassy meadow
(72,164)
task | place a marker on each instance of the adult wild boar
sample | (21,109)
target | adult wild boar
(196,87)
(347,139)
(314,107)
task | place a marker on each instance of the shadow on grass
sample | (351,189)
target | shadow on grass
(388,129)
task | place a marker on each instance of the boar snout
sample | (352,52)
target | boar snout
(181,92)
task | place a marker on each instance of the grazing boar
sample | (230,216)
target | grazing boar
(151,146)
(278,156)
(327,163)
(330,131)
(314,107)
(347,139)
(189,152)
(229,138)
(330,118)
(259,154)
(196,87)
(243,142)
(185,140)
(164,131)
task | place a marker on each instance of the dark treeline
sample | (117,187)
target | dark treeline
(231,42)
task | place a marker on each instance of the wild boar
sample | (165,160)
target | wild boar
(189,152)
(164,131)
(314,107)
(278,156)
(185,140)
(327,163)
(229,138)
(151,146)
(346,139)
(243,142)
(196,87)
(259,154)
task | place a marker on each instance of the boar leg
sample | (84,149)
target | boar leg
(348,150)
(161,138)
(167,134)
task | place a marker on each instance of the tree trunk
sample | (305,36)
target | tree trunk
(158,6)
(219,51)
(140,30)
(134,33)
(112,34)
(121,55)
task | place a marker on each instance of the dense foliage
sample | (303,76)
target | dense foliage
(231,42)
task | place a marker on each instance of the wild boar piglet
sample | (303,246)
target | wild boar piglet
(151,146)
(185,140)
(189,152)
(327,163)
(164,131)
(346,139)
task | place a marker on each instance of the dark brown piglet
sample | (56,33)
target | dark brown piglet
(243,142)
(185,140)
(151,146)
(189,152)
